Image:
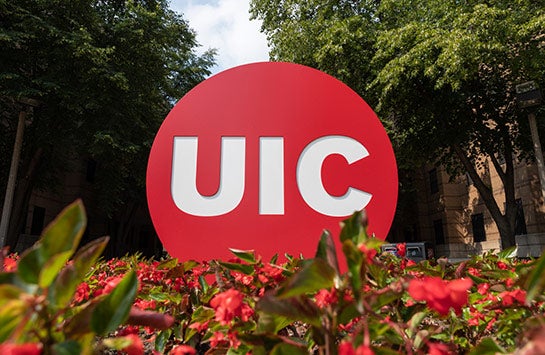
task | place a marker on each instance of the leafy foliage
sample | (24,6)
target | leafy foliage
(105,74)
(383,304)
(441,75)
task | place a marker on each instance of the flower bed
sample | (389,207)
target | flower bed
(57,299)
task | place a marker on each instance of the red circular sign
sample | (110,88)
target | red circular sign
(265,156)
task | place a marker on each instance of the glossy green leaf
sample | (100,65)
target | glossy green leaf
(114,309)
(314,276)
(508,253)
(352,229)
(70,347)
(41,264)
(9,292)
(294,308)
(161,340)
(51,268)
(117,343)
(65,285)
(272,323)
(244,268)
(12,314)
(64,233)
(288,349)
(245,255)
(31,264)
(326,250)
(167,264)
(487,347)
(354,260)
(535,284)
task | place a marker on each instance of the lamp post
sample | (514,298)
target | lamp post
(528,95)
(28,105)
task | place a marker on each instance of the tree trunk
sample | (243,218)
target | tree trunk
(504,222)
(23,191)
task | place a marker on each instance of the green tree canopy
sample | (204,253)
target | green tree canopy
(441,74)
(106,74)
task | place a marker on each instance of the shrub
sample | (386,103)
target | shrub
(56,300)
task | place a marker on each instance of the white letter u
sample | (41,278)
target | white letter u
(184,177)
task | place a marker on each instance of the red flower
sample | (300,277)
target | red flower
(438,349)
(199,327)
(369,253)
(324,298)
(136,346)
(346,348)
(502,265)
(509,297)
(483,288)
(10,264)
(20,349)
(82,292)
(229,305)
(183,350)
(441,295)
(401,249)
(217,338)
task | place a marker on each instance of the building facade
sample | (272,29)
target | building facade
(449,213)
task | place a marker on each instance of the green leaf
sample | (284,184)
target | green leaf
(114,309)
(415,322)
(354,261)
(487,346)
(42,263)
(162,339)
(272,323)
(167,264)
(11,315)
(30,265)
(244,268)
(9,292)
(64,233)
(508,253)
(117,343)
(245,255)
(295,308)
(288,349)
(314,276)
(70,347)
(65,285)
(352,229)
(536,281)
(326,250)
(51,268)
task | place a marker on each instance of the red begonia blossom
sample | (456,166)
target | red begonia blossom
(509,297)
(183,350)
(10,264)
(136,346)
(438,349)
(369,253)
(401,249)
(20,349)
(228,305)
(324,298)
(346,348)
(441,295)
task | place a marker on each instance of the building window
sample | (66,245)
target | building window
(520,221)
(434,184)
(91,170)
(438,231)
(477,223)
(38,218)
